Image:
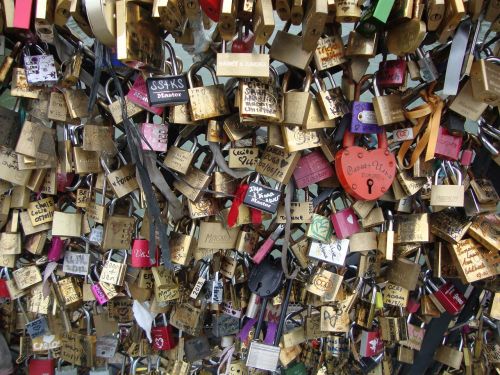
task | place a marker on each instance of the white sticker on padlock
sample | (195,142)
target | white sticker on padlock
(333,252)
(97,235)
(106,346)
(367,117)
(227,308)
(400,135)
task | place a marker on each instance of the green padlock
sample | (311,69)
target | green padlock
(374,17)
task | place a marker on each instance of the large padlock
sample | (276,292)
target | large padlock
(167,90)
(207,101)
(365,175)
(332,102)
(388,108)
(297,103)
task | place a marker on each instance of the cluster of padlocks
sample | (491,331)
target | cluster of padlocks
(154,219)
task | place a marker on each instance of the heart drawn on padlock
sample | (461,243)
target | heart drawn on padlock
(366,175)
(350,219)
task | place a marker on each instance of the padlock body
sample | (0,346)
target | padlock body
(262,198)
(450,298)
(363,118)
(448,146)
(345,223)
(312,168)
(167,91)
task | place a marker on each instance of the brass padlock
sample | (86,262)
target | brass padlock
(114,272)
(297,102)
(207,101)
(178,159)
(122,180)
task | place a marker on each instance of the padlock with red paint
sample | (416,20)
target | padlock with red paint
(371,344)
(138,94)
(211,8)
(140,250)
(365,175)
(22,14)
(345,222)
(4,291)
(312,168)
(42,366)
(56,249)
(391,73)
(163,338)
(448,146)
(63,181)
(448,296)
(244,43)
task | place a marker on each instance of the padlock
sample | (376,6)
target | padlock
(40,69)
(196,180)
(208,101)
(391,74)
(332,102)
(140,250)
(448,195)
(114,272)
(348,11)
(447,296)
(155,136)
(138,94)
(168,90)
(361,46)
(374,17)
(181,242)
(312,168)
(354,164)
(314,23)
(178,159)
(388,108)
(122,180)
(244,65)
(329,52)
(483,79)
(345,222)
(118,229)
(296,102)
(450,356)
(261,101)
(363,114)
(163,337)
(262,197)
(42,366)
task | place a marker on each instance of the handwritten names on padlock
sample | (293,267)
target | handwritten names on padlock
(76,263)
(277,164)
(395,295)
(41,211)
(300,212)
(473,261)
(262,198)
(243,157)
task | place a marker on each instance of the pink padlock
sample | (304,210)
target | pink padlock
(63,181)
(99,294)
(156,135)
(22,14)
(138,95)
(448,146)
(345,222)
(56,249)
(312,168)
(371,344)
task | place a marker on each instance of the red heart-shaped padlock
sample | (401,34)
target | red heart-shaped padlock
(366,175)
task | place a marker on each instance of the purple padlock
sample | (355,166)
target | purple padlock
(363,120)
(56,249)
(138,95)
(312,168)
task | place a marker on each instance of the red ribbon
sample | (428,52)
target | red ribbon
(232,217)
(239,197)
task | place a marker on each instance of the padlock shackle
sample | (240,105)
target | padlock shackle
(173,58)
(350,137)
(359,85)
(306,83)
(195,68)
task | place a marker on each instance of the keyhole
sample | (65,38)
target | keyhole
(259,285)
(369,182)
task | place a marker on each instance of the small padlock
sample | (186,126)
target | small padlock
(363,114)
(447,195)
(178,159)
(345,222)
(388,108)
(332,102)
(262,197)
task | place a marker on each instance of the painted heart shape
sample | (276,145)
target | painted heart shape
(350,220)
(366,175)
